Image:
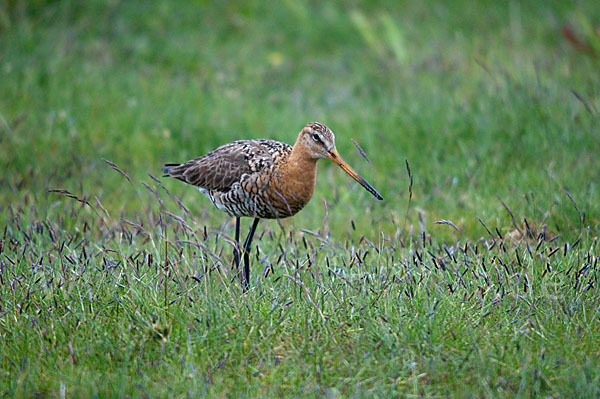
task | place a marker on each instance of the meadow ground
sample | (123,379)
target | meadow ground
(477,276)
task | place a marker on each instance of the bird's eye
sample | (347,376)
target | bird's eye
(316,137)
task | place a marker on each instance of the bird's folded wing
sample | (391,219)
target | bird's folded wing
(219,169)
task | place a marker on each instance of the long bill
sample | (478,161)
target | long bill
(335,157)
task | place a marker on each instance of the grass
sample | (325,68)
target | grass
(118,290)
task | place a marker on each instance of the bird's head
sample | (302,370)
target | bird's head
(319,142)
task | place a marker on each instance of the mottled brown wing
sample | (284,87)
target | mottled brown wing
(219,169)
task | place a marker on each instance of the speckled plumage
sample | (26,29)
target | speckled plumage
(242,178)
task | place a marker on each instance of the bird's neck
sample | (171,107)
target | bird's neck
(299,175)
(300,161)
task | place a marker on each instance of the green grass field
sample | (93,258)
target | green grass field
(477,276)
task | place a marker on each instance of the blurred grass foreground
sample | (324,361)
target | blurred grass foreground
(477,276)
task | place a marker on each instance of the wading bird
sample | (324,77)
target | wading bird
(262,179)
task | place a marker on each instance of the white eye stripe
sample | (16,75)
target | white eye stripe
(316,137)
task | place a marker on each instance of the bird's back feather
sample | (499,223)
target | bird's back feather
(219,169)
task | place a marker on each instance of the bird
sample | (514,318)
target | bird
(262,179)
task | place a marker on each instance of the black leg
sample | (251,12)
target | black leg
(247,250)
(236,248)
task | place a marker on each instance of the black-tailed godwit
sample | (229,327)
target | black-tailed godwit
(262,179)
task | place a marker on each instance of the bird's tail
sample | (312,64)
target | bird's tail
(167,169)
